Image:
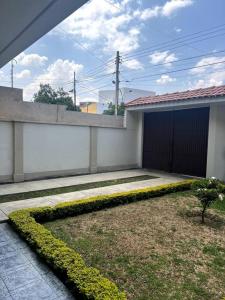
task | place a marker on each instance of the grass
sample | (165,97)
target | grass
(151,250)
(72,188)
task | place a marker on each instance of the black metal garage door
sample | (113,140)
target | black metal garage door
(176,141)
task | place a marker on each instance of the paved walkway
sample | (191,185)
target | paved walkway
(36,185)
(22,275)
(6,208)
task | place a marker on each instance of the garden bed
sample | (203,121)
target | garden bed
(152,249)
(147,242)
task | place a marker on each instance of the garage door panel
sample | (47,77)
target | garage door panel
(177,141)
(190,139)
(157,141)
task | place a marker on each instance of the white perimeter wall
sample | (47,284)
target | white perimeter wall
(6,149)
(216,142)
(55,147)
(116,147)
(49,150)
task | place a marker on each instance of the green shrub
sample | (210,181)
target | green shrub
(86,282)
(207,191)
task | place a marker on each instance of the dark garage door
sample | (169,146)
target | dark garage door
(176,141)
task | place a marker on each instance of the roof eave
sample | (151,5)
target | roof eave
(195,102)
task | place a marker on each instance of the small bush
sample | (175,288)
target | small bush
(207,191)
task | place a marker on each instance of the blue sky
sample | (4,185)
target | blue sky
(153,37)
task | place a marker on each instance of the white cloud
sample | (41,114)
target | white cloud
(173,5)
(149,13)
(32,59)
(166,10)
(133,64)
(162,57)
(164,79)
(178,30)
(213,79)
(211,75)
(208,60)
(23,74)
(57,74)
(108,23)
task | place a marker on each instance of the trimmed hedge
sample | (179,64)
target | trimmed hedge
(85,282)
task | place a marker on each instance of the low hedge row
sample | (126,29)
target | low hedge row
(86,282)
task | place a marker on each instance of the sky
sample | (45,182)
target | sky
(165,46)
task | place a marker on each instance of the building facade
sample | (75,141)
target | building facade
(126,94)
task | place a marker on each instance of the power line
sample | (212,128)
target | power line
(173,40)
(180,70)
(184,76)
(179,60)
(174,46)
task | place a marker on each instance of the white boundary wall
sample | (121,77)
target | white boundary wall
(40,140)
(216,142)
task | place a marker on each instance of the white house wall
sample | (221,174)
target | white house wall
(216,142)
(6,150)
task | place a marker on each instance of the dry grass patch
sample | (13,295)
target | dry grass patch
(152,249)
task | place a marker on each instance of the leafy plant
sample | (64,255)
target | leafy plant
(46,94)
(111,109)
(207,191)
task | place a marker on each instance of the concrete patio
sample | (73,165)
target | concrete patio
(22,275)
(6,208)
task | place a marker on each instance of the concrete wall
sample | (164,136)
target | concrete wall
(216,142)
(52,148)
(116,149)
(39,141)
(6,150)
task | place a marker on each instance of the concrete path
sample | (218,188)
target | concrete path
(12,188)
(22,275)
(6,208)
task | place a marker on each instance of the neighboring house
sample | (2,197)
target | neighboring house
(183,132)
(88,107)
(126,94)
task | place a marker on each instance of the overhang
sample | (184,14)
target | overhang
(23,22)
(191,103)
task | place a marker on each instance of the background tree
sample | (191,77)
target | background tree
(111,109)
(46,94)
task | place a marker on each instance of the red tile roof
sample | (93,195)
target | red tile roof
(215,91)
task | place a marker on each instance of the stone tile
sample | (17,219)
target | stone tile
(6,249)
(3,236)
(35,261)
(12,262)
(38,290)
(23,275)
(3,217)
(12,235)
(4,293)
(56,285)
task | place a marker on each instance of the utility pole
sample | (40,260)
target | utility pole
(117,83)
(74,91)
(12,66)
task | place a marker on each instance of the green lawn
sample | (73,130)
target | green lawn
(73,188)
(155,249)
